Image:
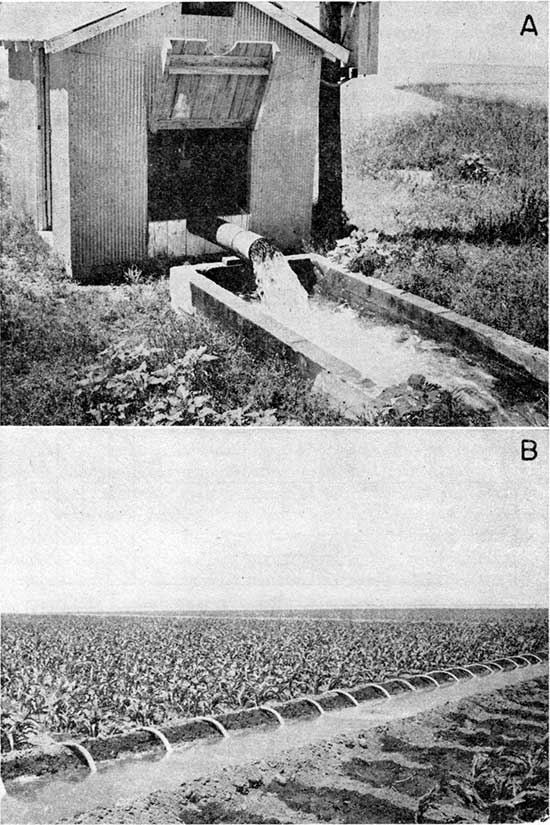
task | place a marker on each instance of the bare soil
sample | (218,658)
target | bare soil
(382,774)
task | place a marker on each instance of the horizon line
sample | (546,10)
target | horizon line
(269,609)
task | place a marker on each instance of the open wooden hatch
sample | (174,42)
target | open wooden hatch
(206,107)
(203,90)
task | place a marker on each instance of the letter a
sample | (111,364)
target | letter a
(529,26)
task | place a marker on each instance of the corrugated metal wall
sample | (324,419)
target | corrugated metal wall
(61,178)
(108,149)
(285,144)
(113,78)
(21,132)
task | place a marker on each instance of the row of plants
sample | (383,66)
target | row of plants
(99,675)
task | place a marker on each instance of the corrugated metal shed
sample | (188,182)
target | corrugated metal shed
(65,24)
(103,94)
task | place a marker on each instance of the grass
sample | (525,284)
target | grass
(71,351)
(513,136)
(466,186)
(117,354)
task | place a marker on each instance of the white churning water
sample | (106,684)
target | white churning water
(384,352)
(280,291)
(388,353)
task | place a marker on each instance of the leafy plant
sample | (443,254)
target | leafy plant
(126,387)
(472,166)
(503,786)
(94,675)
(133,275)
(17,724)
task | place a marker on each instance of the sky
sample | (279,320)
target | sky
(172,519)
(414,33)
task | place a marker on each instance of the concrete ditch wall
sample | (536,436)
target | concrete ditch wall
(190,290)
(438,321)
(57,758)
(341,383)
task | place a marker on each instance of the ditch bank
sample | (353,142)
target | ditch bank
(351,765)
(58,758)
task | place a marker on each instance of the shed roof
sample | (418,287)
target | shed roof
(42,21)
(61,25)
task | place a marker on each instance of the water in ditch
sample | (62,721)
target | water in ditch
(386,354)
(48,800)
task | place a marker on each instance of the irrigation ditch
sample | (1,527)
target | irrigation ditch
(391,336)
(85,751)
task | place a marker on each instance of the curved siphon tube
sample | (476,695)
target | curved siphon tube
(466,669)
(508,659)
(76,746)
(315,704)
(347,695)
(488,665)
(273,712)
(211,721)
(427,676)
(478,664)
(539,660)
(159,734)
(525,660)
(442,670)
(403,682)
(386,693)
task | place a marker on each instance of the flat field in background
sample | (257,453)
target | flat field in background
(91,674)
(451,183)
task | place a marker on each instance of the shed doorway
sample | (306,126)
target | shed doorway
(198,172)
(204,112)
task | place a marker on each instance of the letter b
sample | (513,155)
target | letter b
(528,449)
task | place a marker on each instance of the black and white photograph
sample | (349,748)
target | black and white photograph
(275,627)
(274,498)
(262,213)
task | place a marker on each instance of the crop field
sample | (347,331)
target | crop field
(483,759)
(101,674)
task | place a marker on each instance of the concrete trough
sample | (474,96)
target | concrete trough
(215,290)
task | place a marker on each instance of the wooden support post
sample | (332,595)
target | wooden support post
(328,219)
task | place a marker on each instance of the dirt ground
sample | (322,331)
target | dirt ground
(392,773)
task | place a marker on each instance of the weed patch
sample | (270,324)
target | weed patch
(469,225)
(119,355)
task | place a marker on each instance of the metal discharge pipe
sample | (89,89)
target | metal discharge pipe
(228,235)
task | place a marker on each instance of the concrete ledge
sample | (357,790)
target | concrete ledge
(340,382)
(439,322)
(343,386)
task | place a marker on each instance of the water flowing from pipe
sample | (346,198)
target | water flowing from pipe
(384,353)
(280,291)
